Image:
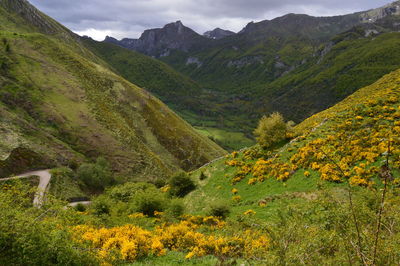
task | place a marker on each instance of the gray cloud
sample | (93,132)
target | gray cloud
(128,18)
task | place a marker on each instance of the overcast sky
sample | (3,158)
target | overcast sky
(129,18)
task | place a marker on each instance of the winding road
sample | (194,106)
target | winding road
(43,186)
(44,176)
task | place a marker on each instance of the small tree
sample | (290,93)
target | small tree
(96,175)
(272,129)
(219,209)
(181,184)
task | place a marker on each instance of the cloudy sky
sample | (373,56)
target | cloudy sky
(128,18)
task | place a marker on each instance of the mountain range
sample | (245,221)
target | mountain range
(295,64)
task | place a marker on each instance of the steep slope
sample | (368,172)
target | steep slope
(59,107)
(349,142)
(201,107)
(170,86)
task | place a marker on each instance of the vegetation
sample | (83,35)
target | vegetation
(96,175)
(271,130)
(330,196)
(180,185)
(64,118)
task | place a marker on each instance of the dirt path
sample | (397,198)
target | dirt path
(44,176)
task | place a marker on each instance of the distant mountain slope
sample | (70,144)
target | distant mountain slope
(295,64)
(159,42)
(160,79)
(218,33)
(203,108)
(59,107)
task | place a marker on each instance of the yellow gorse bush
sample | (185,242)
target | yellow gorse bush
(355,139)
(130,242)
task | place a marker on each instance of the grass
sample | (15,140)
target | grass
(176,258)
(217,186)
(229,140)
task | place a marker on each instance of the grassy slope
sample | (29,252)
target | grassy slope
(194,104)
(79,109)
(361,123)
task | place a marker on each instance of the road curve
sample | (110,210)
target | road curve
(45,178)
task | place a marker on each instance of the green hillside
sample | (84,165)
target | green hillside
(272,67)
(346,143)
(60,107)
(202,108)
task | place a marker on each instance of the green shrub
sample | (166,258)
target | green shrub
(176,208)
(160,182)
(80,207)
(32,236)
(202,176)
(101,205)
(149,201)
(126,191)
(97,175)
(272,129)
(181,184)
(219,209)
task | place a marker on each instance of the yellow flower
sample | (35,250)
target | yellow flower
(249,212)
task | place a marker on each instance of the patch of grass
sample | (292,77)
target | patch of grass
(227,139)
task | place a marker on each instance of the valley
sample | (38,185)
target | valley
(275,145)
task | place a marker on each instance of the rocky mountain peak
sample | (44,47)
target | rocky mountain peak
(160,41)
(370,16)
(218,33)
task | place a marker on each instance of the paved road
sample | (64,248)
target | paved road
(44,176)
(74,204)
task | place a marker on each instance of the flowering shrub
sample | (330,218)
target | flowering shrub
(128,243)
(358,134)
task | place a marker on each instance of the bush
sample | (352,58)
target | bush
(97,175)
(160,182)
(101,206)
(219,209)
(126,192)
(202,176)
(271,130)
(181,184)
(149,201)
(80,207)
(176,208)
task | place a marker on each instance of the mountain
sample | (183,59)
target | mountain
(218,34)
(291,64)
(159,42)
(295,64)
(60,104)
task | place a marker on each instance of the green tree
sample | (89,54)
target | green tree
(272,129)
(96,175)
(181,184)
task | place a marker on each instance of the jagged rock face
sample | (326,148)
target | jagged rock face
(218,33)
(159,42)
(382,12)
